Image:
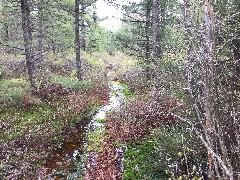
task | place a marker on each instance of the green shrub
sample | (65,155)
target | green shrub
(176,147)
(12,90)
(125,90)
(71,83)
(162,155)
(73,74)
(141,161)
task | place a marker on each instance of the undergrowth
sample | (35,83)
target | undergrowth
(124,90)
(95,139)
(71,83)
(140,161)
(164,154)
(39,121)
(12,90)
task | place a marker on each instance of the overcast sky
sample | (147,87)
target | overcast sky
(114,15)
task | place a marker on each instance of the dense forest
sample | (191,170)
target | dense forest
(157,98)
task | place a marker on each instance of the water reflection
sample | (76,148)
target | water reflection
(62,159)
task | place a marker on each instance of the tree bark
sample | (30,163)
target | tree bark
(6,31)
(77,39)
(209,97)
(157,52)
(40,27)
(27,37)
(147,34)
(208,76)
(83,28)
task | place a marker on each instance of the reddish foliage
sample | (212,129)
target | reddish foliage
(48,93)
(51,91)
(144,116)
(28,100)
(104,167)
(102,94)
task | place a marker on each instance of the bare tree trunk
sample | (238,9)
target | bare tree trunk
(147,34)
(77,39)
(40,26)
(83,28)
(208,76)
(27,37)
(6,29)
(235,106)
(209,97)
(157,52)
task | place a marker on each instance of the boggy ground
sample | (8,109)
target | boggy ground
(30,131)
(131,124)
(33,124)
(38,124)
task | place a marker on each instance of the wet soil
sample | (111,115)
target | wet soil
(60,162)
(62,159)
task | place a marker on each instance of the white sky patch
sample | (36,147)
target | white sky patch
(114,15)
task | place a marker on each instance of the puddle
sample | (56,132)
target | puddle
(60,163)
(116,100)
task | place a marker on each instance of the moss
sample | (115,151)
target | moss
(120,84)
(71,83)
(15,82)
(140,161)
(12,90)
(95,139)
(24,121)
(125,90)
(100,120)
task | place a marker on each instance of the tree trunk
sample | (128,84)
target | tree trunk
(208,77)
(27,37)
(209,98)
(6,29)
(157,52)
(83,28)
(77,39)
(40,27)
(147,34)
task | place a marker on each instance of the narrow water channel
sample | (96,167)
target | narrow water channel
(60,163)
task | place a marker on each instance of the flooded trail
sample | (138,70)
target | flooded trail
(62,162)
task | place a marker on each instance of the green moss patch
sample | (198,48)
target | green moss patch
(71,83)
(95,139)
(141,161)
(100,120)
(125,90)
(12,90)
